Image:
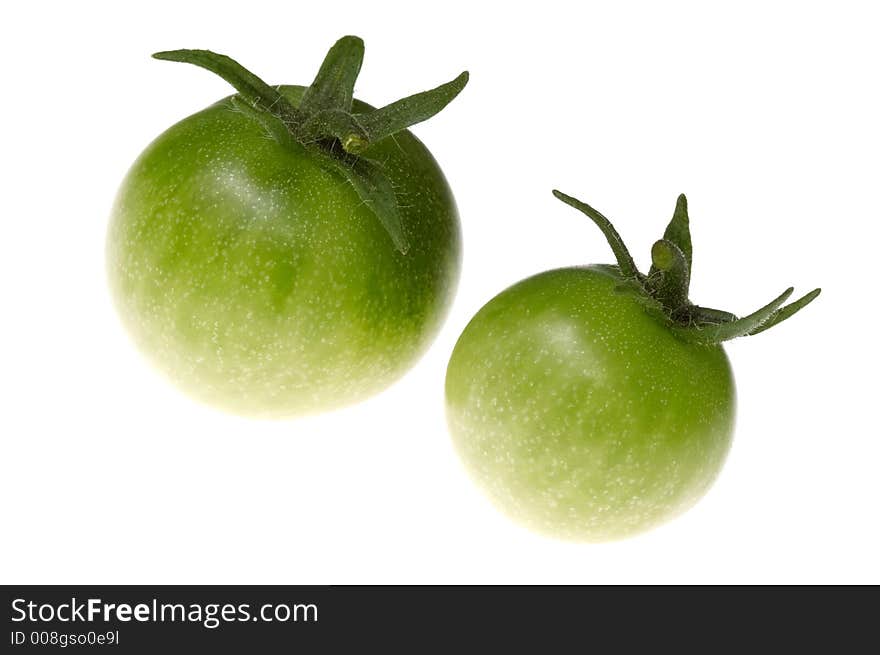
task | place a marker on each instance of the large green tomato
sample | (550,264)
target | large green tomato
(584,409)
(261,280)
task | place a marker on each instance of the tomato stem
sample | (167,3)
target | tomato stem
(324,123)
(671,278)
(664,291)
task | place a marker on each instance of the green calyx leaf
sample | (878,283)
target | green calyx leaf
(664,291)
(324,122)
(786,312)
(624,260)
(678,232)
(333,87)
(740,327)
(374,187)
(397,116)
(251,88)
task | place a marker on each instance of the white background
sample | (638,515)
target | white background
(765,113)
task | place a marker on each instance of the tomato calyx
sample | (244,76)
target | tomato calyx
(664,290)
(325,124)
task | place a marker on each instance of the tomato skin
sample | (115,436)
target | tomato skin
(581,415)
(259,282)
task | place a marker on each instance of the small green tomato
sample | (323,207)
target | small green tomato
(286,250)
(593,403)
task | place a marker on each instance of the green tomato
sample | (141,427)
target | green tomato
(265,281)
(587,408)
(581,414)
